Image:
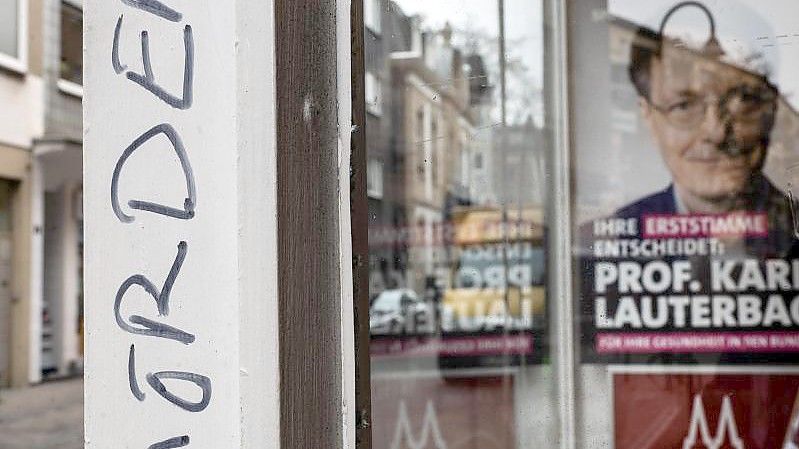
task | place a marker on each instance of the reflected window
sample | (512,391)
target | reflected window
(10,28)
(418,143)
(458,268)
(374,179)
(371,15)
(435,143)
(71,67)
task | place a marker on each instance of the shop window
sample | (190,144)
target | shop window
(71,65)
(673,321)
(13,31)
(446,363)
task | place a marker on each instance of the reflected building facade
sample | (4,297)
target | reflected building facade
(425,151)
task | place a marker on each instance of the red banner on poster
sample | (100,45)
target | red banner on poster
(715,411)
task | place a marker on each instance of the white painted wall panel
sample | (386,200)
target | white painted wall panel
(204,300)
(22,111)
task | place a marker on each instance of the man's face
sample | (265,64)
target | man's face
(713,153)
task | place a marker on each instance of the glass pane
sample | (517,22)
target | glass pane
(456,142)
(683,135)
(71,44)
(9,28)
(684,159)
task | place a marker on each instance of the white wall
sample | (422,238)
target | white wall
(22,110)
(223,292)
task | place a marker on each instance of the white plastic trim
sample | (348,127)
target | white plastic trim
(344,76)
(70,88)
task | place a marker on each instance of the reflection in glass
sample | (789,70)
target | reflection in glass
(682,145)
(9,28)
(71,68)
(457,233)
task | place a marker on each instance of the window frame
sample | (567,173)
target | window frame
(555,15)
(64,85)
(359,238)
(19,63)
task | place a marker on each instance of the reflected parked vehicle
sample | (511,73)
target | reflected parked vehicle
(395,311)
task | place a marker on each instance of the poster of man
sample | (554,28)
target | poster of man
(685,250)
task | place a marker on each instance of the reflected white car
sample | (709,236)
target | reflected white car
(391,309)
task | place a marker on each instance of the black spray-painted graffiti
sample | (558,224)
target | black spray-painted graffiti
(149,327)
(137,324)
(189,203)
(157,8)
(134,385)
(171,443)
(147,80)
(201,381)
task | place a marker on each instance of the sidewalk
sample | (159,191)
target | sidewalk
(48,416)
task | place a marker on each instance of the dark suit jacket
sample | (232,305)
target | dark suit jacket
(762,196)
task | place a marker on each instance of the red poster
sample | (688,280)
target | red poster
(714,411)
(433,413)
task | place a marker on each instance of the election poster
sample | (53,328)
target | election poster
(457,188)
(421,412)
(473,295)
(685,163)
(706,410)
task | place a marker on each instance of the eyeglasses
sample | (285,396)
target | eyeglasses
(743,104)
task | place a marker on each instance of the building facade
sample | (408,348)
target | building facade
(422,140)
(40,189)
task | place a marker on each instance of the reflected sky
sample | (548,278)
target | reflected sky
(524,37)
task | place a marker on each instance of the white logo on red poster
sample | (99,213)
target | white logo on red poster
(726,428)
(429,428)
(793,428)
